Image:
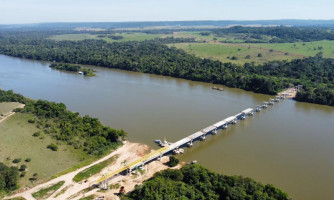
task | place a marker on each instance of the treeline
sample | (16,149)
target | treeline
(197,183)
(154,57)
(72,68)
(85,133)
(316,74)
(170,40)
(10,96)
(278,34)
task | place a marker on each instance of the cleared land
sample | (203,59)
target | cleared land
(17,142)
(225,52)
(302,48)
(217,49)
(6,107)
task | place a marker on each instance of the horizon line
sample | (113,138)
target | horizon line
(145,21)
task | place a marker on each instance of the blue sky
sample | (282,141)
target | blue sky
(32,11)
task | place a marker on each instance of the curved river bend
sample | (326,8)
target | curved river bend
(290,145)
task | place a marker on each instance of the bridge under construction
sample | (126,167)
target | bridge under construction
(187,141)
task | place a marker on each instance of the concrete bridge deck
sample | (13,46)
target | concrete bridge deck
(184,141)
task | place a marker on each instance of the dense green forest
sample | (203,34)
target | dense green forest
(85,133)
(277,34)
(8,177)
(197,183)
(151,56)
(316,74)
(10,96)
(73,68)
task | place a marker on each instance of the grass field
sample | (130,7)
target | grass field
(211,37)
(93,170)
(17,142)
(225,52)
(302,48)
(47,192)
(126,37)
(6,107)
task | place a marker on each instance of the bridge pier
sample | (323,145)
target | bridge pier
(190,144)
(202,137)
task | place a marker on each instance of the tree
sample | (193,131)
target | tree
(53,147)
(23,168)
(173,161)
(17,160)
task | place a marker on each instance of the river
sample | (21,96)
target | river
(290,145)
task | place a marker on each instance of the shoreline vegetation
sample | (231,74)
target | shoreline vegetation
(73,68)
(198,183)
(88,137)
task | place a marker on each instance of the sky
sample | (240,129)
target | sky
(36,11)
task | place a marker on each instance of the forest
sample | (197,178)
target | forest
(197,183)
(85,133)
(152,56)
(279,34)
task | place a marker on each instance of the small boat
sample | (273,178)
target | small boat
(80,72)
(194,162)
(214,132)
(164,143)
(176,151)
(243,117)
(157,141)
(181,151)
(218,88)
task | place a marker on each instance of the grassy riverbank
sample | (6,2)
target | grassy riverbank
(17,141)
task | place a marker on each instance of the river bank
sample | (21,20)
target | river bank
(126,153)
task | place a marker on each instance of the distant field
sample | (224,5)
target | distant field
(211,37)
(17,142)
(6,107)
(126,37)
(214,49)
(302,48)
(225,52)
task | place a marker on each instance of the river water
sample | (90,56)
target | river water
(290,145)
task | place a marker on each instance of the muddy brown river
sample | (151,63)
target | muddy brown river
(290,145)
